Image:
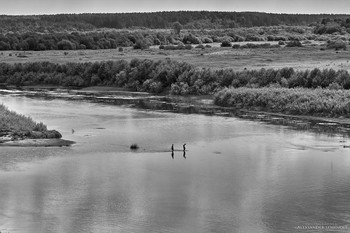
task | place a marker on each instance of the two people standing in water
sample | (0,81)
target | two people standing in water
(184,150)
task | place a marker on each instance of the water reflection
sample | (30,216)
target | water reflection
(241,176)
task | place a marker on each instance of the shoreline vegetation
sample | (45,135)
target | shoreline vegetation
(295,101)
(309,92)
(20,130)
(166,76)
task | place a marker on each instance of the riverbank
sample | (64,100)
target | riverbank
(188,105)
(296,101)
(53,142)
(20,130)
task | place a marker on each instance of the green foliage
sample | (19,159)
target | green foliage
(337,45)
(200,46)
(322,102)
(236,46)
(177,27)
(294,43)
(189,19)
(66,45)
(191,39)
(141,44)
(10,120)
(226,43)
(166,75)
(328,26)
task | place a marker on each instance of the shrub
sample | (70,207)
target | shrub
(334,86)
(141,44)
(226,43)
(200,46)
(191,39)
(294,43)
(120,49)
(188,47)
(207,40)
(236,46)
(337,45)
(134,146)
(65,45)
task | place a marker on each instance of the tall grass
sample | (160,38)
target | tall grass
(323,102)
(10,120)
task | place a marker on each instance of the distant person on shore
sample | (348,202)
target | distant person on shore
(184,146)
(172,147)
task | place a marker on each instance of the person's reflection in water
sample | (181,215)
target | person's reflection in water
(172,154)
(184,155)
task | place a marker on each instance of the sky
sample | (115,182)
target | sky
(34,7)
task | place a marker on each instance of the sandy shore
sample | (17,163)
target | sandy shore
(54,142)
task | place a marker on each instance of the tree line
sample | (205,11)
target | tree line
(166,76)
(154,20)
(111,39)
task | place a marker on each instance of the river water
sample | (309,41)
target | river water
(236,175)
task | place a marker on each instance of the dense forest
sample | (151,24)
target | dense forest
(154,20)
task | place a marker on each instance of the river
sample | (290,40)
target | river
(236,175)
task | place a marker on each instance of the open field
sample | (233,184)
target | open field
(309,57)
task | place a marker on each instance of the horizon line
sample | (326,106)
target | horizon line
(144,12)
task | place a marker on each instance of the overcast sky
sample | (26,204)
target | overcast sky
(19,7)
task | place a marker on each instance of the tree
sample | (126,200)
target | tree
(141,44)
(65,45)
(177,27)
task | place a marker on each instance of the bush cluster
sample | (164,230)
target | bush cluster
(10,120)
(255,46)
(294,43)
(176,47)
(323,102)
(166,75)
(111,39)
(337,45)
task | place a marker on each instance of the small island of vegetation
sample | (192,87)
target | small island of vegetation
(18,130)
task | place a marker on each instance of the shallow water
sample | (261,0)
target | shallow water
(237,175)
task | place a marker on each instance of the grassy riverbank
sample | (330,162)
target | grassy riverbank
(305,92)
(14,126)
(10,120)
(299,101)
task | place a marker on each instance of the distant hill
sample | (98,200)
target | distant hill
(155,20)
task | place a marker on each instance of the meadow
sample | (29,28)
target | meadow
(301,58)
